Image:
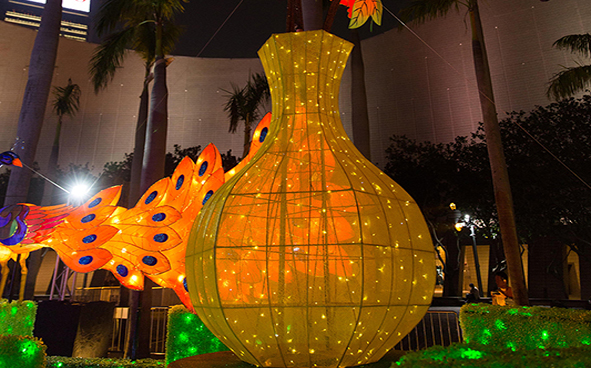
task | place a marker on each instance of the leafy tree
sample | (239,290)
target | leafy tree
(139,34)
(119,172)
(422,10)
(66,102)
(32,113)
(551,200)
(572,79)
(243,105)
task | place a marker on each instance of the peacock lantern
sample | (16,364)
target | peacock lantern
(309,256)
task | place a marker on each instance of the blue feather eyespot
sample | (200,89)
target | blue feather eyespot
(159,217)
(149,260)
(160,238)
(88,218)
(89,239)
(179,182)
(86,260)
(203,168)
(185,284)
(122,270)
(95,203)
(263,134)
(207,196)
(151,197)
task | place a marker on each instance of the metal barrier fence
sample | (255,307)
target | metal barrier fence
(157,330)
(436,328)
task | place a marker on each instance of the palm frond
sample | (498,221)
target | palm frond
(168,8)
(420,11)
(67,99)
(144,41)
(569,82)
(108,57)
(235,106)
(114,12)
(577,43)
(170,35)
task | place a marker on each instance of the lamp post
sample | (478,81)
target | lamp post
(467,222)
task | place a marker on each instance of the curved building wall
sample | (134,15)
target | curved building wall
(414,92)
(103,129)
(410,90)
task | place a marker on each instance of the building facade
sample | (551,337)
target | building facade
(425,92)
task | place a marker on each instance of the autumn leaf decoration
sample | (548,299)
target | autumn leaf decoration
(361,10)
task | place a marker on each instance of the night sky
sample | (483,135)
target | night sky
(251,25)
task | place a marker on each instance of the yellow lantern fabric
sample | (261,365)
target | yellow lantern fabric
(310,256)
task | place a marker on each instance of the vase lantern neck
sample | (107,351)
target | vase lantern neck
(304,70)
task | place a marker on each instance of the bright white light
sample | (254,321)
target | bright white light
(80,5)
(79,191)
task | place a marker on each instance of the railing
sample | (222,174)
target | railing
(95,294)
(157,330)
(436,328)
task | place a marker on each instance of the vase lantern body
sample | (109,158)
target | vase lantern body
(310,256)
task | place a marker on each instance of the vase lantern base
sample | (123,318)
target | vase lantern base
(227,359)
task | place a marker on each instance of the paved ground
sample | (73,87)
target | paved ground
(227,359)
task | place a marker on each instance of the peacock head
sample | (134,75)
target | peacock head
(12,224)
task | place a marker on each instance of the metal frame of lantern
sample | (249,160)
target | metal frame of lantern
(309,256)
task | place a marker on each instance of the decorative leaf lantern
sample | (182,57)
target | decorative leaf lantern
(310,256)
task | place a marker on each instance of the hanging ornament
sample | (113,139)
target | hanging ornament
(310,256)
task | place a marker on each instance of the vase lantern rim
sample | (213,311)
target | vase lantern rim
(304,35)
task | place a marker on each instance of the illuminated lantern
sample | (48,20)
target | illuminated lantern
(310,256)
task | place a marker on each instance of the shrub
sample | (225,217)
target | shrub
(21,352)
(525,327)
(481,356)
(66,362)
(18,318)
(187,336)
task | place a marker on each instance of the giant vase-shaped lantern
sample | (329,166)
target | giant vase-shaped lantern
(310,256)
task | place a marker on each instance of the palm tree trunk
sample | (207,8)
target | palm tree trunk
(155,147)
(500,176)
(359,113)
(247,132)
(152,170)
(48,188)
(312,14)
(332,12)
(140,141)
(30,121)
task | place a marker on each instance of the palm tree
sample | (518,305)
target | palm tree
(243,105)
(66,102)
(134,14)
(140,35)
(32,113)
(572,79)
(422,10)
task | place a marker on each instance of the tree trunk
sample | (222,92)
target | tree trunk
(247,132)
(140,141)
(454,265)
(152,171)
(48,188)
(360,118)
(312,14)
(500,176)
(30,121)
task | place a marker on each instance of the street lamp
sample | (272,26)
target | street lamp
(467,222)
